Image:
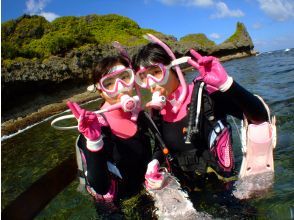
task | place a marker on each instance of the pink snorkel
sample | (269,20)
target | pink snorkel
(177,104)
(127,103)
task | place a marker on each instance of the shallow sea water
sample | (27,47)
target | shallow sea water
(31,154)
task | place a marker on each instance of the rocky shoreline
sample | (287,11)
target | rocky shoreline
(44,106)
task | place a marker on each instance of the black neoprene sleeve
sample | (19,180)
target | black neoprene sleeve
(97,171)
(252,107)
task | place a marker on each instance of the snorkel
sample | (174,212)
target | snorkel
(126,103)
(176,103)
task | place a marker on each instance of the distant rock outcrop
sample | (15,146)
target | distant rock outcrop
(239,42)
(236,46)
(197,41)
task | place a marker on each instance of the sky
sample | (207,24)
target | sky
(270,23)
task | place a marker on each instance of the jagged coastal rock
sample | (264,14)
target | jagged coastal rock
(40,59)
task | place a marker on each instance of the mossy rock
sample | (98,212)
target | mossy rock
(240,38)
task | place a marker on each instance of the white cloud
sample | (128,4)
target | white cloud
(169,2)
(50,16)
(215,36)
(257,25)
(223,11)
(197,3)
(279,10)
(36,7)
(201,3)
(277,43)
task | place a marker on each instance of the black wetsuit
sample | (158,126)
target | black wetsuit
(130,156)
(236,102)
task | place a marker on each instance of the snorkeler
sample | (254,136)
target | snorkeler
(192,118)
(114,146)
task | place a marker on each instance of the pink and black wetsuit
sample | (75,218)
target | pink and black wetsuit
(126,145)
(196,156)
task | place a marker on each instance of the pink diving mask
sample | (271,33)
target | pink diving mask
(119,79)
(156,74)
(153,79)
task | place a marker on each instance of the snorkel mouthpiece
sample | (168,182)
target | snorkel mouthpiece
(131,104)
(128,103)
(158,101)
(177,104)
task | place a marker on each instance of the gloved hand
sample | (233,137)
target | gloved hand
(211,72)
(154,179)
(88,125)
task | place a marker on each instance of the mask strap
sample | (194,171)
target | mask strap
(122,51)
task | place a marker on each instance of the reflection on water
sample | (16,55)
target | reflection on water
(31,154)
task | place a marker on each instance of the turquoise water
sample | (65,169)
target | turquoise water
(31,154)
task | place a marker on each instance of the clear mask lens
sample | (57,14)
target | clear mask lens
(124,76)
(157,73)
(113,82)
(151,75)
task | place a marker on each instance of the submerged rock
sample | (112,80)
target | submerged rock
(254,185)
(171,202)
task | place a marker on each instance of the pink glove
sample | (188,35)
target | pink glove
(88,125)
(211,72)
(154,178)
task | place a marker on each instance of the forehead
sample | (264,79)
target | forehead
(153,68)
(115,67)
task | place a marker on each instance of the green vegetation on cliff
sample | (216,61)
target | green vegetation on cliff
(240,37)
(16,34)
(237,34)
(33,36)
(200,39)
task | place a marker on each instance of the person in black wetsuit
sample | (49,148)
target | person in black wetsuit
(114,146)
(205,147)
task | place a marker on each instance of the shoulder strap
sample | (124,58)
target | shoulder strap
(194,107)
(201,105)
(156,132)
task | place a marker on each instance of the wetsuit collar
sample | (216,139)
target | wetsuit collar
(167,112)
(120,122)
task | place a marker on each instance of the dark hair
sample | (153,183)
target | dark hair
(150,53)
(105,64)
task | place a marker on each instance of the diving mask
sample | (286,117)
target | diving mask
(156,74)
(117,80)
